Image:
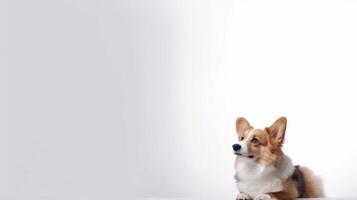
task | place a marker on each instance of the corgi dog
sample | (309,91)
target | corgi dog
(264,172)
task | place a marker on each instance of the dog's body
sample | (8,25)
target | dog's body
(263,171)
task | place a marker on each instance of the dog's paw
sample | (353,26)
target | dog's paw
(263,197)
(242,196)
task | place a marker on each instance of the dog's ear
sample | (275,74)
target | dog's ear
(241,125)
(277,131)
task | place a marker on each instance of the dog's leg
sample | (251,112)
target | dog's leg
(263,197)
(243,196)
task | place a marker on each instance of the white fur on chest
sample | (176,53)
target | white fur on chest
(255,179)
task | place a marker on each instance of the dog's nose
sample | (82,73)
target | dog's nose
(236,147)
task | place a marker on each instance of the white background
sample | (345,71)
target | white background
(112,99)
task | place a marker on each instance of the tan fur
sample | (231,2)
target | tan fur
(290,191)
(313,184)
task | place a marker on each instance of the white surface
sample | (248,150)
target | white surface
(231,199)
(161,198)
(105,99)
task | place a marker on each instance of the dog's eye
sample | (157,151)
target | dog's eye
(242,138)
(255,141)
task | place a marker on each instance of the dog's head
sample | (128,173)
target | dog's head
(262,146)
